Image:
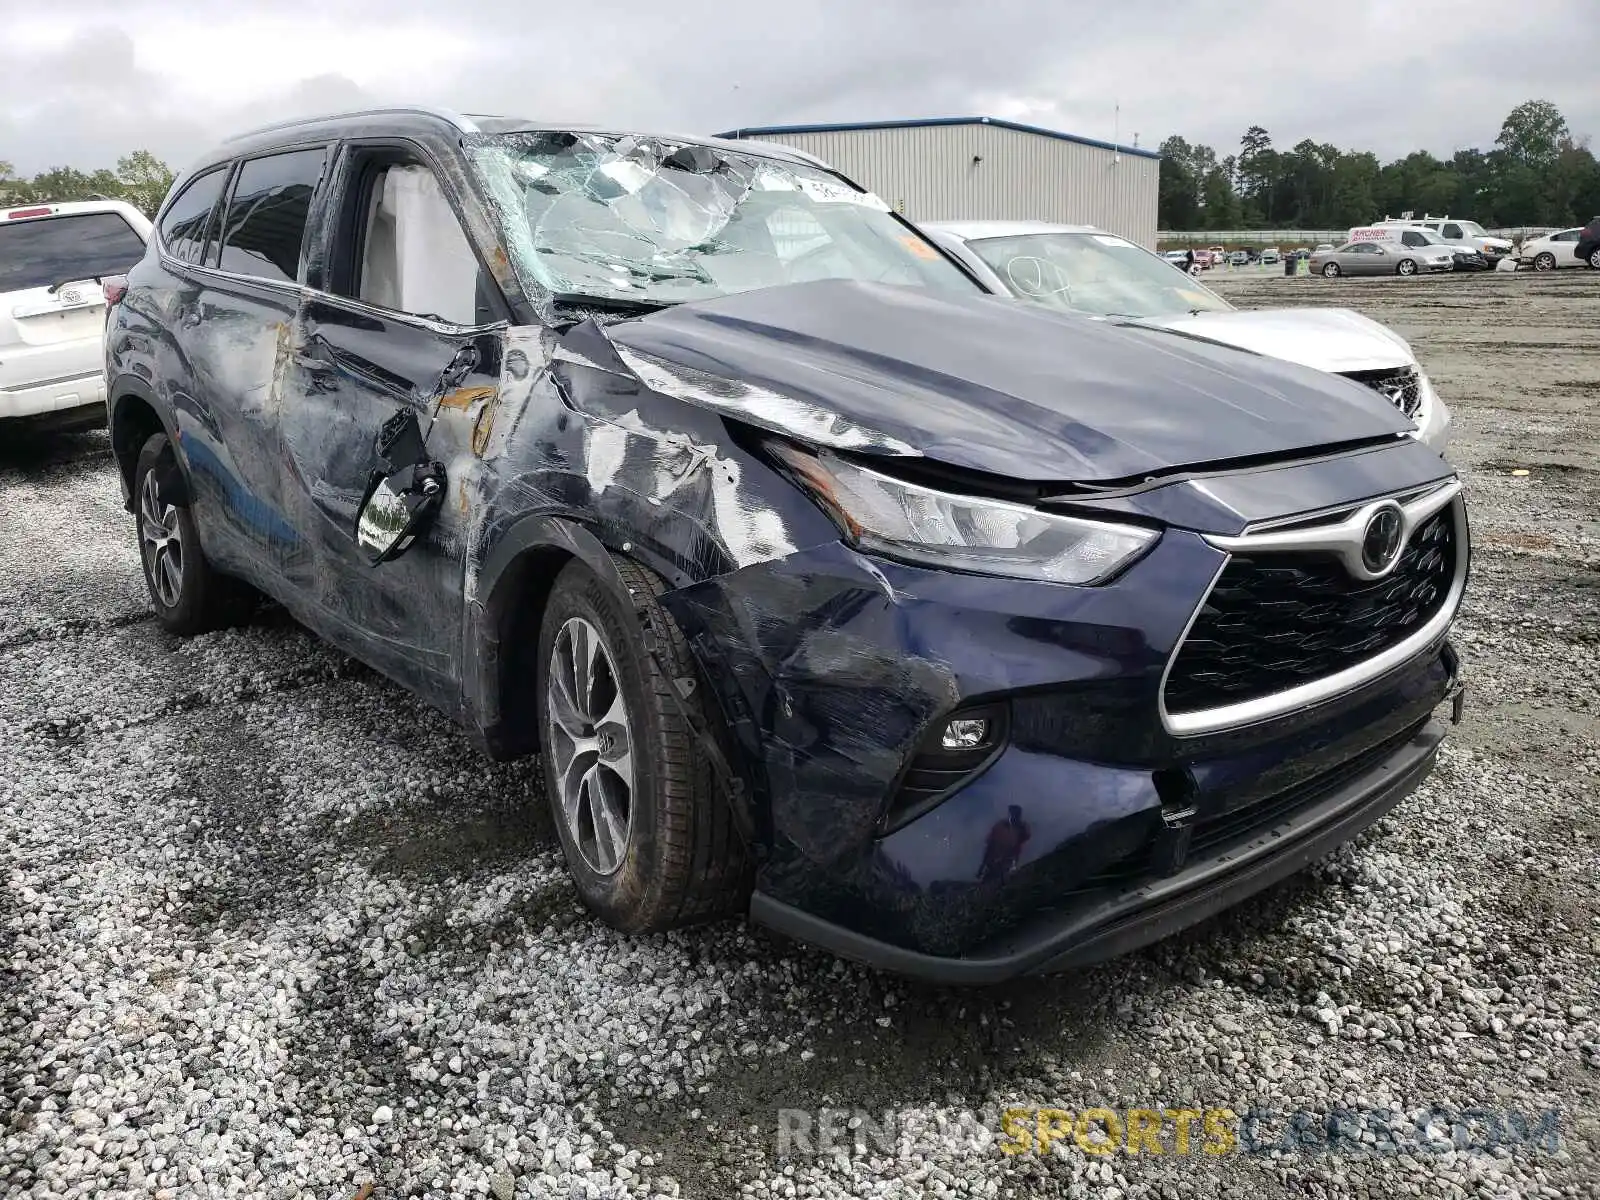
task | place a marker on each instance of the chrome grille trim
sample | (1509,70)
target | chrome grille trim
(1278,704)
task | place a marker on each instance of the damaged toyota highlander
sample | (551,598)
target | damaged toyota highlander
(957,635)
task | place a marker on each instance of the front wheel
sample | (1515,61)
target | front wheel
(649,838)
(1406,267)
(188,595)
(1330,270)
(1544,262)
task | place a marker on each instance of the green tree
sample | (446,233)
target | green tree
(60,185)
(12,189)
(1178,206)
(144,180)
(1355,185)
(1221,203)
(1532,134)
(1256,172)
(1537,174)
(1474,185)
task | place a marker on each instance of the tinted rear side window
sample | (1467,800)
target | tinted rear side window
(265,228)
(45,250)
(183,227)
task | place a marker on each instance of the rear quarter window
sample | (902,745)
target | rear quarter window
(183,225)
(40,251)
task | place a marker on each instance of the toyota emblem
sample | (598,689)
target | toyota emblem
(1380,544)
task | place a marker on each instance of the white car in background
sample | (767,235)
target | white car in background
(1081,269)
(53,305)
(1553,250)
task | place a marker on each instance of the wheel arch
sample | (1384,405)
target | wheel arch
(500,682)
(133,418)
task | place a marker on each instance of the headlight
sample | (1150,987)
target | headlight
(964,533)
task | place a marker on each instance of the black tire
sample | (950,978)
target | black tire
(684,860)
(1544,261)
(1330,270)
(189,596)
(1405,267)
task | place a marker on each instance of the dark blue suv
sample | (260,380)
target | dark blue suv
(964,637)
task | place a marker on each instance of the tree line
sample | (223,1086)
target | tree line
(140,178)
(1538,173)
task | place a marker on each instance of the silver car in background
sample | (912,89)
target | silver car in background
(1081,269)
(1382,258)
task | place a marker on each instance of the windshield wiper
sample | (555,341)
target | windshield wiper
(61,283)
(578,307)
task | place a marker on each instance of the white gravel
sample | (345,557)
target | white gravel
(270,928)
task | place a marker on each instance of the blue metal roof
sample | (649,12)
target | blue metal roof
(778,130)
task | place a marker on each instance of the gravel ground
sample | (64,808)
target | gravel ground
(269,927)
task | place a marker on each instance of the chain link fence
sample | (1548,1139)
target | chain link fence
(1286,239)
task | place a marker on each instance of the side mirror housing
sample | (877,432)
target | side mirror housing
(396,509)
(404,493)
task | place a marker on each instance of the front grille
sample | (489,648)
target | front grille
(1398,385)
(1278,620)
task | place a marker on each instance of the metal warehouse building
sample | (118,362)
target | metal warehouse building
(983,168)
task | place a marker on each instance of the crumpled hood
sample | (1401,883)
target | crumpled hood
(1328,339)
(989,383)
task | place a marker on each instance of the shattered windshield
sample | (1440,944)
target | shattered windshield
(1094,273)
(627,217)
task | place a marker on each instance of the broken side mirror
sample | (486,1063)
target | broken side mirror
(403,494)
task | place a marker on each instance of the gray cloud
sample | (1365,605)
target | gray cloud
(1437,74)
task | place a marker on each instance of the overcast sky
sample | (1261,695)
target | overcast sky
(84,82)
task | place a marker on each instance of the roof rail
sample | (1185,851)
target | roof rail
(443,114)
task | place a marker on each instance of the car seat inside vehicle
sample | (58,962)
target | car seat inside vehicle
(415,257)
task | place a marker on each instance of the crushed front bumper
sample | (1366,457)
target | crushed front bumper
(832,669)
(1128,920)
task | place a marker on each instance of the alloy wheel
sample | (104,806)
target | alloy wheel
(1407,267)
(1330,270)
(1545,262)
(591,745)
(1594,260)
(161,539)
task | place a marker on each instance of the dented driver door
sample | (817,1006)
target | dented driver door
(354,368)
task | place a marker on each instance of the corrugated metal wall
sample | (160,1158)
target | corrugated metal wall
(928,173)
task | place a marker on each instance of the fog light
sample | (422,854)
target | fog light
(965,733)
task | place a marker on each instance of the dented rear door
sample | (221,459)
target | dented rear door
(352,368)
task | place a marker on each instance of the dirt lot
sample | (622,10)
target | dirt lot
(271,928)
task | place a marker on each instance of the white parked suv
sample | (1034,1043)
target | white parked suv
(53,305)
